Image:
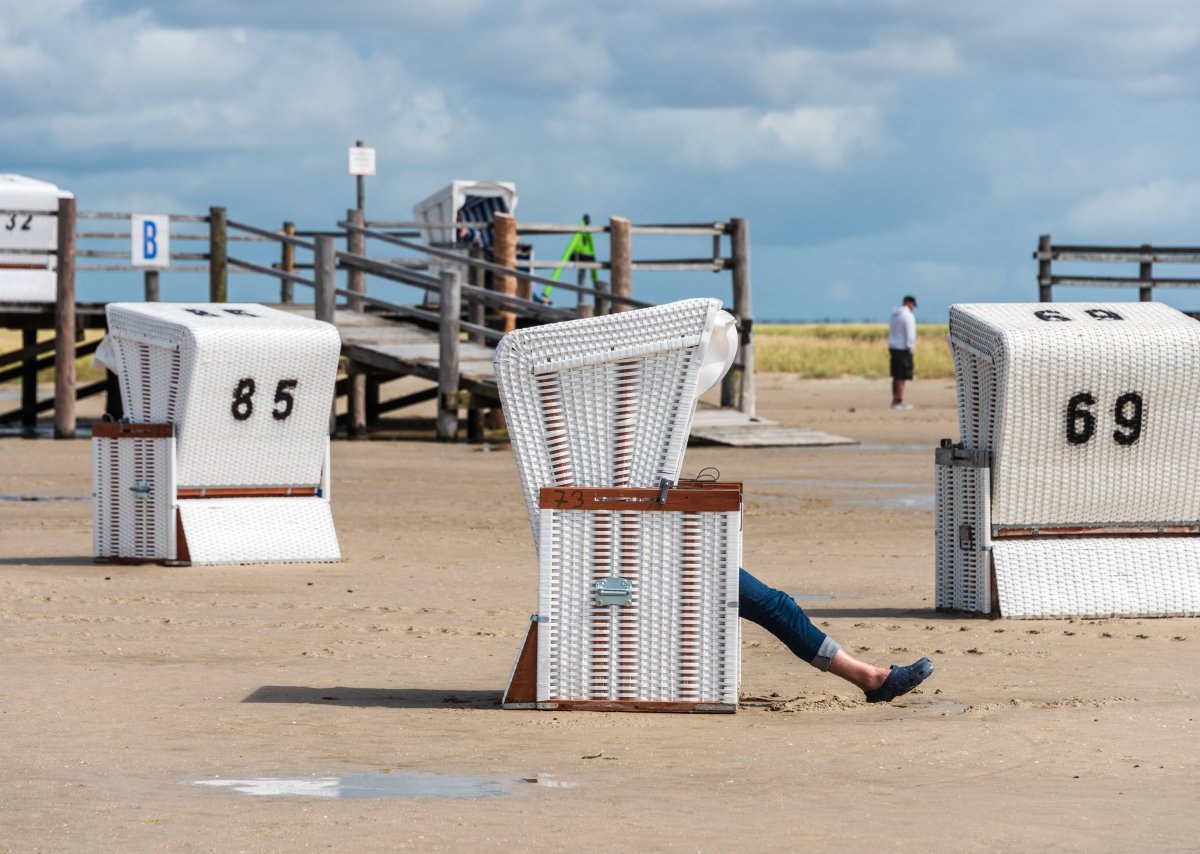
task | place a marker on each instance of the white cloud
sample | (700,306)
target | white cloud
(1164,204)
(823,138)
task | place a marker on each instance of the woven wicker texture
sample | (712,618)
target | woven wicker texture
(962,538)
(678,640)
(259,530)
(133,492)
(1099,577)
(1090,410)
(248,388)
(604,401)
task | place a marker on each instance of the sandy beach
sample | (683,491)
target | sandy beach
(131,695)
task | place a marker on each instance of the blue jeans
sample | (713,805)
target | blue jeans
(779,614)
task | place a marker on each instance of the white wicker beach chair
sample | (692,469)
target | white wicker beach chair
(246,393)
(638,598)
(1079,432)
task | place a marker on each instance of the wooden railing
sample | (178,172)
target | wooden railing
(1145,256)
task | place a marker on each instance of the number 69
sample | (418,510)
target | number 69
(1128,413)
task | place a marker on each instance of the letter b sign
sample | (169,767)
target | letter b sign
(150,240)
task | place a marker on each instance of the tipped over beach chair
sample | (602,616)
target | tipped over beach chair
(638,573)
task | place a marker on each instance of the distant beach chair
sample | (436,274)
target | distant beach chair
(225,457)
(638,580)
(1073,491)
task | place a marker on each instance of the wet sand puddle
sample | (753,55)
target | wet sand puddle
(398,784)
(45,498)
(918,499)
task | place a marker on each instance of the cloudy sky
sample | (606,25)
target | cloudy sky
(877,147)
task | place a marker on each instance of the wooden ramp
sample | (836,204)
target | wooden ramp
(393,346)
(713,426)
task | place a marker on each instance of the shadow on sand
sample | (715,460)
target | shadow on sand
(388,698)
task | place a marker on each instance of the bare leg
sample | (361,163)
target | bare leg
(897,391)
(868,677)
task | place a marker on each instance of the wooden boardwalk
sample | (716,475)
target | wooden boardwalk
(405,349)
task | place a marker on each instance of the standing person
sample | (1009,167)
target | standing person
(902,340)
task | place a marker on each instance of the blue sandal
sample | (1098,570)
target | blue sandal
(901,680)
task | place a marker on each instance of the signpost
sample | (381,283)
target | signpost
(150,240)
(362,162)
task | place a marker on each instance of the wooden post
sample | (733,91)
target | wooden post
(1146,274)
(356,402)
(64,324)
(449,327)
(218,258)
(1045,288)
(476,310)
(476,314)
(150,285)
(504,249)
(325,283)
(360,196)
(324,278)
(356,281)
(620,240)
(287,263)
(29,397)
(737,389)
(356,244)
(524,286)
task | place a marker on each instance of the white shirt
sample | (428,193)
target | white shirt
(902,329)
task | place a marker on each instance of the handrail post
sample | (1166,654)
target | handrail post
(504,249)
(1146,274)
(325,295)
(356,244)
(737,389)
(64,324)
(356,281)
(287,263)
(450,305)
(1045,285)
(620,240)
(476,315)
(218,258)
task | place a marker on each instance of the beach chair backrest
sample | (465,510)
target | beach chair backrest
(606,401)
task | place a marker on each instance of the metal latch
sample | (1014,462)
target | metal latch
(613,591)
(141,490)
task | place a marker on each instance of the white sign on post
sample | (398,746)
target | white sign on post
(362,161)
(150,240)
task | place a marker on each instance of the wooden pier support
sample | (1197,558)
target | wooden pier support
(450,307)
(737,389)
(356,281)
(325,298)
(64,324)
